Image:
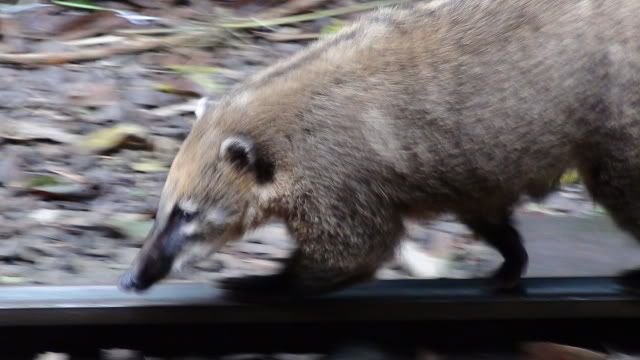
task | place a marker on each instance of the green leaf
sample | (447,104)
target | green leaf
(43,180)
(170,89)
(199,75)
(190,69)
(149,166)
(332,28)
(81,4)
(11,280)
(209,85)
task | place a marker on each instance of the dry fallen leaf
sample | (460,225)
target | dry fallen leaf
(180,86)
(57,188)
(88,25)
(117,137)
(22,131)
(149,166)
(70,191)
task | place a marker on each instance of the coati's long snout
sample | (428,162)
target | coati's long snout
(155,260)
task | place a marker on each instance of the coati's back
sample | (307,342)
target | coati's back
(447,95)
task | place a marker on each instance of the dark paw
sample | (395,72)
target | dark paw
(507,279)
(630,280)
(258,287)
(130,282)
(255,283)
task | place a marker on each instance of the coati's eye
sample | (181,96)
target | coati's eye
(188,215)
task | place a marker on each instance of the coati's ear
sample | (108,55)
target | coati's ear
(243,153)
(239,151)
(201,106)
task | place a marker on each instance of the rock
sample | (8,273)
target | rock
(359,352)
(212,264)
(121,354)
(65,217)
(242,357)
(274,234)
(109,113)
(17,254)
(41,248)
(9,170)
(253,248)
(52,356)
(388,274)
(98,252)
(149,97)
(419,263)
(91,94)
(69,267)
(297,356)
(12,99)
(451,227)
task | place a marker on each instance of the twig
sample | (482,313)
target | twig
(54,58)
(70,176)
(174,109)
(98,40)
(282,37)
(291,7)
(310,16)
(153,31)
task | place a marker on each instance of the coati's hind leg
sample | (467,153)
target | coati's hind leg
(613,180)
(500,233)
(338,248)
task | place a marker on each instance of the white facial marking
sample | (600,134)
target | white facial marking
(190,229)
(217,216)
(192,255)
(188,205)
(201,106)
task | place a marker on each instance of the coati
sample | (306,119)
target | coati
(449,106)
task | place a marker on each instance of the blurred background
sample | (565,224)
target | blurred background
(96,97)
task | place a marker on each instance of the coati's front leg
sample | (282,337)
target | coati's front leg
(301,276)
(335,250)
(499,232)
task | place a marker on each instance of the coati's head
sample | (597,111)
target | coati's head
(211,196)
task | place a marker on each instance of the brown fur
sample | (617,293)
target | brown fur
(450,106)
